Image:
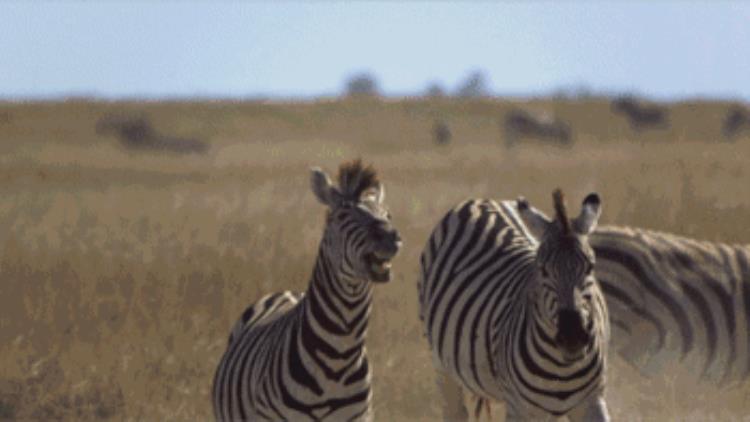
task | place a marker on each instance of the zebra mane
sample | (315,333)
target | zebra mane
(354,178)
(560,212)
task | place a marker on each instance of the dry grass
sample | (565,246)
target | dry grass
(122,272)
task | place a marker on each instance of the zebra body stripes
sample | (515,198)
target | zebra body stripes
(302,356)
(671,296)
(511,319)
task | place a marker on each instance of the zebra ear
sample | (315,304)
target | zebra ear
(374,194)
(380,193)
(535,220)
(323,189)
(591,209)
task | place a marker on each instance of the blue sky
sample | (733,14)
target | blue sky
(169,49)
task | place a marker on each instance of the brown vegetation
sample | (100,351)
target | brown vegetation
(121,274)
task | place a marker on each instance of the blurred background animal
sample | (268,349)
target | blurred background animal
(441,133)
(641,115)
(136,132)
(521,124)
(737,121)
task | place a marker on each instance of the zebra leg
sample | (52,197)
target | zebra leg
(452,394)
(594,409)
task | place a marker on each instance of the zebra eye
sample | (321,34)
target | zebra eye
(545,274)
(589,269)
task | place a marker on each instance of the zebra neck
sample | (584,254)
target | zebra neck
(541,323)
(339,305)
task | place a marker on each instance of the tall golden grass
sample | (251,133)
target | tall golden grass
(122,272)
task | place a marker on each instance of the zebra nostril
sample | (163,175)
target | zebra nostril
(395,241)
(571,333)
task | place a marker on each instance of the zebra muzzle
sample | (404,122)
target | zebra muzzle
(379,266)
(572,336)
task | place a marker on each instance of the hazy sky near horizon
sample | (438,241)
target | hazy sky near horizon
(666,50)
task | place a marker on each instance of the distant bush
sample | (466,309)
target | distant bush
(434,90)
(362,84)
(474,86)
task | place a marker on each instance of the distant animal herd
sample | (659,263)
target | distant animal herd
(521,124)
(518,125)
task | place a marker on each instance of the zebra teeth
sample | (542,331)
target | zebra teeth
(381,267)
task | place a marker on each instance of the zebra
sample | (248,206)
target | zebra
(301,356)
(736,121)
(441,132)
(640,116)
(511,318)
(520,123)
(137,133)
(675,298)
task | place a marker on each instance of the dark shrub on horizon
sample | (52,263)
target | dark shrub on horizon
(362,84)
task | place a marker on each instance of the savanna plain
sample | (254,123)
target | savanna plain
(122,270)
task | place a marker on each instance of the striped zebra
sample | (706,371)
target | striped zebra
(301,356)
(675,298)
(513,319)
(519,124)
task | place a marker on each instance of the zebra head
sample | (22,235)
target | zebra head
(359,238)
(565,264)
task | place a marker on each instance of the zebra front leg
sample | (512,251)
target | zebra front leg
(452,395)
(592,410)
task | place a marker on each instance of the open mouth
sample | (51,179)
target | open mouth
(379,266)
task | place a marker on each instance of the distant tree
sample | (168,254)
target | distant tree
(474,86)
(434,89)
(362,84)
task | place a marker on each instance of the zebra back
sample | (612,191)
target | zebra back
(671,297)
(265,310)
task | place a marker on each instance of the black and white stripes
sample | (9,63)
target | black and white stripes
(302,356)
(672,297)
(511,320)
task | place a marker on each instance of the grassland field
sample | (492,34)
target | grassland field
(121,271)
